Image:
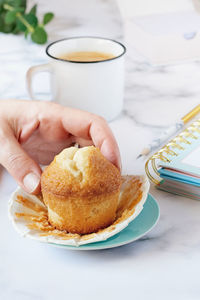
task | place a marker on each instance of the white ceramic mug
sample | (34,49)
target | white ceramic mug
(95,86)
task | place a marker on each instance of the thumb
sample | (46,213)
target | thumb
(18,163)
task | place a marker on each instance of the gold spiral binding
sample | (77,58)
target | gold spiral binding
(169,149)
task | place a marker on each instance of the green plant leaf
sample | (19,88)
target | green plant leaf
(39,36)
(23,4)
(26,34)
(19,9)
(2,23)
(10,17)
(47,18)
(20,26)
(7,28)
(15,30)
(33,10)
(9,2)
(13,19)
(17,3)
(30,18)
(1,7)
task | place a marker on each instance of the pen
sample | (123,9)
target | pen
(169,132)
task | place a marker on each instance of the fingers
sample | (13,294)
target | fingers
(91,127)
(103,138)
(111,152)
(17,162)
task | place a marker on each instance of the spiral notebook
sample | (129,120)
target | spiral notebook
(175,168)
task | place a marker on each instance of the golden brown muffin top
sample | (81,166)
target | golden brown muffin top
(80,171)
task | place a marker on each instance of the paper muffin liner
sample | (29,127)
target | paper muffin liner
(30,218)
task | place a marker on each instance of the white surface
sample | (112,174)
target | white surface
(131,8)
(165,264)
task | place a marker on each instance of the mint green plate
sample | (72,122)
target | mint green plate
(140,226)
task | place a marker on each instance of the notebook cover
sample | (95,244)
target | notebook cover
(187,160)
(180,177)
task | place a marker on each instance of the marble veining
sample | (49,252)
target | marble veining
(165,263)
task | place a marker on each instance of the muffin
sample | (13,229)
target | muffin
(80,189)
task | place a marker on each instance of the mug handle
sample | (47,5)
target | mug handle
(31,72)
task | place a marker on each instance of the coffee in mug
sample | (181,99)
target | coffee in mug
(86,56)
(86,73)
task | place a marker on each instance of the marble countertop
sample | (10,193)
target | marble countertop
(165,263)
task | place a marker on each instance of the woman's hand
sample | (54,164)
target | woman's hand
(33,132)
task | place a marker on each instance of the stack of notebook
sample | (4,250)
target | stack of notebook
(176,167)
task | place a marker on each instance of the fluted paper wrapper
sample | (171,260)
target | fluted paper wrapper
(29,215)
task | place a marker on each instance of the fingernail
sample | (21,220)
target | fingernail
(31,182)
